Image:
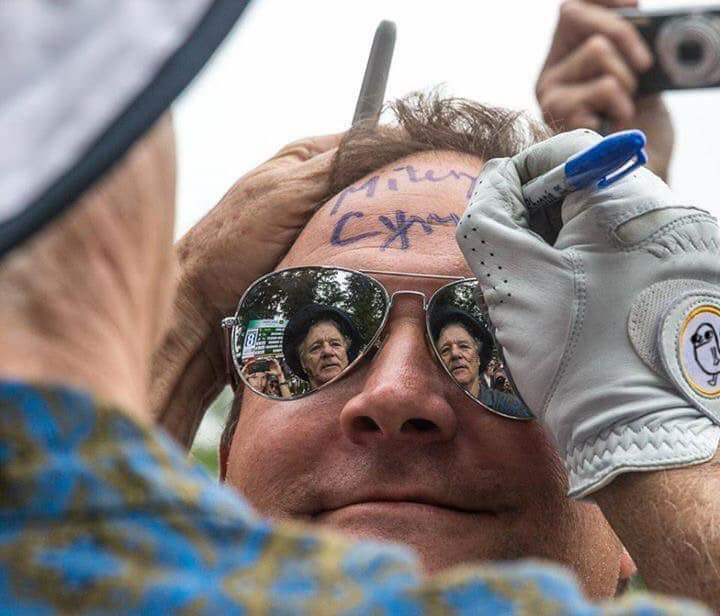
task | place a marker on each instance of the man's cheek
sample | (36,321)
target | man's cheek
(276,438)
(262,466)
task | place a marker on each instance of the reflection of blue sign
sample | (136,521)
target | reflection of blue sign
(263,338)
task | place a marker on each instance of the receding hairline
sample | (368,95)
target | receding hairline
(429,122)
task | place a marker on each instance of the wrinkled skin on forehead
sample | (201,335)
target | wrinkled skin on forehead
(395,450)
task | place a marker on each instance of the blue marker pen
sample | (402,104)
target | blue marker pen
(602,164)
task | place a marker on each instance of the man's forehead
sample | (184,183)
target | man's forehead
(455,331)
(402,218)
(326,327)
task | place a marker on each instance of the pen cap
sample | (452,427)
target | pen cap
(610,156)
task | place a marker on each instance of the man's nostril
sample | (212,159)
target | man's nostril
(365,424)
(419,425)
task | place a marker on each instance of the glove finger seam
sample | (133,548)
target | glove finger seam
(578,318)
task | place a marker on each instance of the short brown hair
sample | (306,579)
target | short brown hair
(423,121)
(428,122)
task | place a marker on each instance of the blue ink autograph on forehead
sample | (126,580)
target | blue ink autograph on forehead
(395,230)
(406,172)
(337,238)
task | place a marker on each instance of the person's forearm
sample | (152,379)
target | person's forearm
(669,522)
(187,370)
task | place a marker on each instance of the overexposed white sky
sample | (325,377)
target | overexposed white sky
(294,68)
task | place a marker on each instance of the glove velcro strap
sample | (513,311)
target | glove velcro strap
(647,312)
(665,440)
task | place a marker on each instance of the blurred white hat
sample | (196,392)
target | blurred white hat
(80,82)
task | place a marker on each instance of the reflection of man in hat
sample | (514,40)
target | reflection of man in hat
(465,347)
(319,343)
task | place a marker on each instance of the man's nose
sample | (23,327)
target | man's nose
(403,395)
(455,352)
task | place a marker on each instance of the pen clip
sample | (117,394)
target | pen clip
(638,160)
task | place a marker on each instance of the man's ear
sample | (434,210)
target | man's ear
(627,570)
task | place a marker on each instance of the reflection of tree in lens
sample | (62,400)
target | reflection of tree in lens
(366,304)
(281,295)
(462,296)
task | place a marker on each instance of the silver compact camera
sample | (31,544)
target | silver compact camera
(685,44)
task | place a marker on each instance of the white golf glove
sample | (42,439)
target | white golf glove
(611,335)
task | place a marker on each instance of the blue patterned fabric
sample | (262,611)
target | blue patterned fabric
(99,515)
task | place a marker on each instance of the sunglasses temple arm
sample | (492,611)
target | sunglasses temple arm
(227,326)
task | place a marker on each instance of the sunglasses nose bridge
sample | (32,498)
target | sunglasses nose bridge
(380,341)
(409,292)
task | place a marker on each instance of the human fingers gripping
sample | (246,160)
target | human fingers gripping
(498,199)
(602,96)
(613,207)
(584,119)
(286,189)
(629,211)
(493,234)
(267,207)
(579,20)
(311,177)
(301,173)
(595,57)
(546,155)
(308,147)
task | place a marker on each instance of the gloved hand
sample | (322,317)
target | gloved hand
(610,335)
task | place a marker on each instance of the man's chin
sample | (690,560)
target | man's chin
(329,374)
(462,375)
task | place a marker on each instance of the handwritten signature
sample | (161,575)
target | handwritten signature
(395,231)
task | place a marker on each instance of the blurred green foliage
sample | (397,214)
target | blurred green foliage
(205,447)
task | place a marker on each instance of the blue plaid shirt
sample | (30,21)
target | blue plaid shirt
(98,515)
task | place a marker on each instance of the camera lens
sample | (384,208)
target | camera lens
(689,52)
(688,49)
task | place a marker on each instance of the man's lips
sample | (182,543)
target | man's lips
(408,504)
(330,365)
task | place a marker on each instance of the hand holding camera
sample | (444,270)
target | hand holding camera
(591,75)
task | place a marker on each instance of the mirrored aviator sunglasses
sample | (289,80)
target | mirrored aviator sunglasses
(300,329)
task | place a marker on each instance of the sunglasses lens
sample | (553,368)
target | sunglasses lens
(299,329)
(462,339)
